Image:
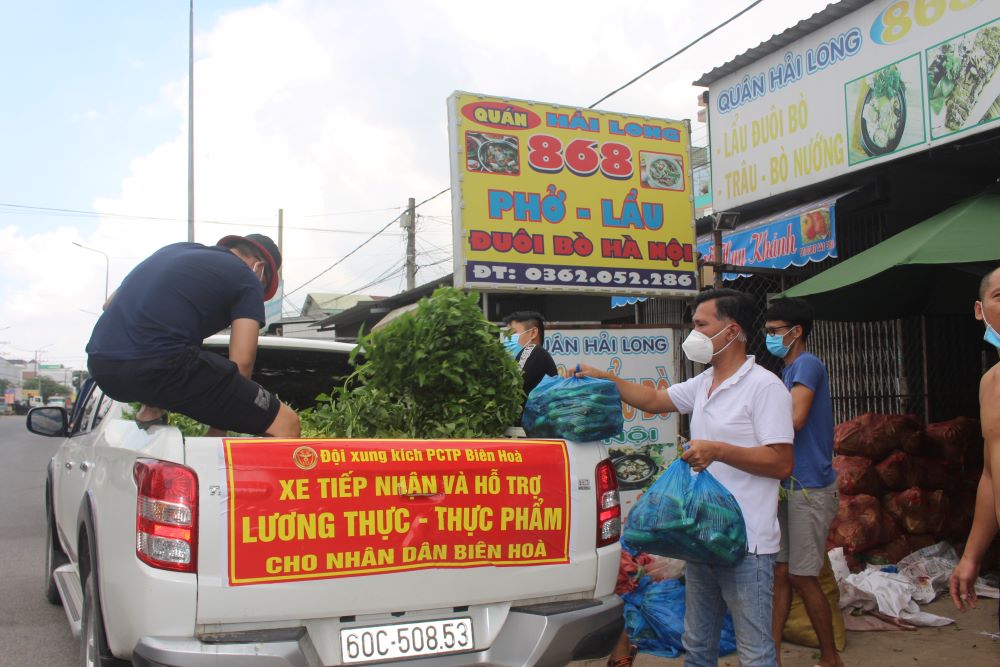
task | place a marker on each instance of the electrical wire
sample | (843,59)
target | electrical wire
(677,53)
(23,209)
(365,242)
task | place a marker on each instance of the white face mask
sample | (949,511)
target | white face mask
(698,347)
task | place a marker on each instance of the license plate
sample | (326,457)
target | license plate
(405,640)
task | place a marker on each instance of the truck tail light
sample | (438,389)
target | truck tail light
(166,515)
(609,507)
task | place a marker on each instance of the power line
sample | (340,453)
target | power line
(295,227)
(426,247)
(677,53)
(440,261)
(24,209)
(659,64)
(364,243)
(386,275)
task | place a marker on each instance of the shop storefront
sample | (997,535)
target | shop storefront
(830,139)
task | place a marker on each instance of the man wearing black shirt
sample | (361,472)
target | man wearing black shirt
(527,334)
(146,347)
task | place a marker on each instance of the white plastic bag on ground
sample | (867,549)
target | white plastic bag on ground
(890,593)
(929,569)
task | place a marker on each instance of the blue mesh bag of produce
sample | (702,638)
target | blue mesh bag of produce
(688,516)
(578,409)
(654,619)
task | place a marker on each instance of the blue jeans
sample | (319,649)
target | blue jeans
(746,589)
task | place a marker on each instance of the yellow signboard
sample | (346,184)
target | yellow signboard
(548,197)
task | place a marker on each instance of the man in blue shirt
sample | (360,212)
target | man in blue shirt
(810,494)
(146,346)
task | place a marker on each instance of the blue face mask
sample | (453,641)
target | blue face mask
(775,345)
(991,336)
(513,346)
(512,343)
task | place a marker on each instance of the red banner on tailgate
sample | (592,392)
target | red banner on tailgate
(315,509)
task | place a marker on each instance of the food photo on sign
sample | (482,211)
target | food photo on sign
(885,111)
(962,80)
(492,153)
(662,171)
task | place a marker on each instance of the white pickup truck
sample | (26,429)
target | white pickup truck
(170,551)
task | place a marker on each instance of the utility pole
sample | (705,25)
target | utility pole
(191,123)
(410,225)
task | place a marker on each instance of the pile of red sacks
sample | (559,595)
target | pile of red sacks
(903,486)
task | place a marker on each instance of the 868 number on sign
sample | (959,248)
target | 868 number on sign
(388,642)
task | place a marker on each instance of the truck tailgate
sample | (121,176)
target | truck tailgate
(306,529)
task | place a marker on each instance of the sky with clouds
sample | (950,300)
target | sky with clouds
(333,111)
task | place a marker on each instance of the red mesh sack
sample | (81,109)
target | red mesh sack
(855,474)
(907,431)
(958,439)
(897,471)
(904,432)
(890,553)
(857,526)
(875,435)
(853,438)
(628,571)
(935,473)
(920,512)
(888,529)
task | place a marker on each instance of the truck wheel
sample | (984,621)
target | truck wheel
(94,651)
(54,557)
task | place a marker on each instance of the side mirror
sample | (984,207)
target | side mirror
(49,421)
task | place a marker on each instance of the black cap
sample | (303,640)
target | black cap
(268,250)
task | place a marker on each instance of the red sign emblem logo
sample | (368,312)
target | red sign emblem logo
(305,457)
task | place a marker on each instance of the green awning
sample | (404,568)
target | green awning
(933,267)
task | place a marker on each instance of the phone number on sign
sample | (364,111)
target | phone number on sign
(493,272)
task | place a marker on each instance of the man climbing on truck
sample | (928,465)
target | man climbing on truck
(146,346)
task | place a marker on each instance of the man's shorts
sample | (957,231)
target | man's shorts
(805,516)
(200,384)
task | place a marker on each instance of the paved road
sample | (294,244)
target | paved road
(32,632)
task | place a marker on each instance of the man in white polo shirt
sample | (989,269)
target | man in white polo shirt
(741,430)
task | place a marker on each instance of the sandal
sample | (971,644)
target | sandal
(144,424)
(626,660)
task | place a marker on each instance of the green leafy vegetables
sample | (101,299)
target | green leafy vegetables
(438,372)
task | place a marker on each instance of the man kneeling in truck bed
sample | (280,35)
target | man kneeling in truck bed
(146,347)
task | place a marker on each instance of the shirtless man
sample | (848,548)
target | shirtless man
(986,521)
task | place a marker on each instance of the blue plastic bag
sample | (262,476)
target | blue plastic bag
(578,409)
(654,619)
(688,516)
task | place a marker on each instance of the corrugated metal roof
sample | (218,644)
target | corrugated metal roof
(828,15)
